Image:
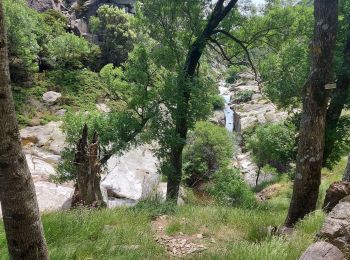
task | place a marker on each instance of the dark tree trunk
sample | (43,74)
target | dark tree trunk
(24,231)
(312,125)
(257,176)
(184,95)
(88,169)
(346,175)
(338,101)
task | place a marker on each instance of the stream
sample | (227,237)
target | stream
(229,114)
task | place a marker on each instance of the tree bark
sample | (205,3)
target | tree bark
(312,125)
(338,101)
(184,95)
(23,227)
(346,175)
(88,166)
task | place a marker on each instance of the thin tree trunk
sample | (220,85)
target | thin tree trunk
(23,227)
(184,95)
(257,176)
(338,101)
(346,175)
(312,126)
(88,166)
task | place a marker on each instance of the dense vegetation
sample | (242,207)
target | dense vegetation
(157,74)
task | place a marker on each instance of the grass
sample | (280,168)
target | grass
(239,233)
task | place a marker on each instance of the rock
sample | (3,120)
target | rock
(335,192)
(162,190)
(322,251)
(336,228)
(269,192)
(218,117)
(52,197)
(39,168)
(132,176)
(51,97)
(103,108)
(48,136)
(43,5)
(60,112)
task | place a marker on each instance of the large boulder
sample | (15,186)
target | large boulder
(52,197)
(49,136)
(336,228)
(322,251)
(131,177)
(336,192)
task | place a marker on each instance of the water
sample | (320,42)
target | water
(229,115)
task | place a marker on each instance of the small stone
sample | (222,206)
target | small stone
(199,236)
(51,97)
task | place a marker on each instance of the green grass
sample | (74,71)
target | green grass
(239,233)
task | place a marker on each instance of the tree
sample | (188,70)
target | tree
(209,148)
(315,101)
(272,144)
(88,170)
(340,96)
(115,34)
(195,52)
(24,231)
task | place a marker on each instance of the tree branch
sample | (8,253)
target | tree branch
(244,47)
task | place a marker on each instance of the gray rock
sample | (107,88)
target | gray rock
(336,228)
(51,97)
(60,112)
(49,136)
(132,176)
(43,5)
(322,251)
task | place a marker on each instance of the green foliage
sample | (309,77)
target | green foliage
(71,51)
(218,102)
(209,148)
(232,74)
(23,25)
(341,145)
(115,33)
(230,189)
(284,73)
(273,144)
(243,96)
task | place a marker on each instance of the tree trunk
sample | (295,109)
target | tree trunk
(257,176)
(23,227)
(87,162)
(338,101)
(346,175)
(184,95)
(312,125)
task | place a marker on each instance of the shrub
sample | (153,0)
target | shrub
(230,189)
(243,96)
(218,102)
(232,74)
(71,51)
(115,34)
(209,148)
(273,144)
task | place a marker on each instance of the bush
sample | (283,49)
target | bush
(115,34)
(273,144)
(230,189)
(218,102)
(232,74)
(209,148)
(71,51)
(243,96)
